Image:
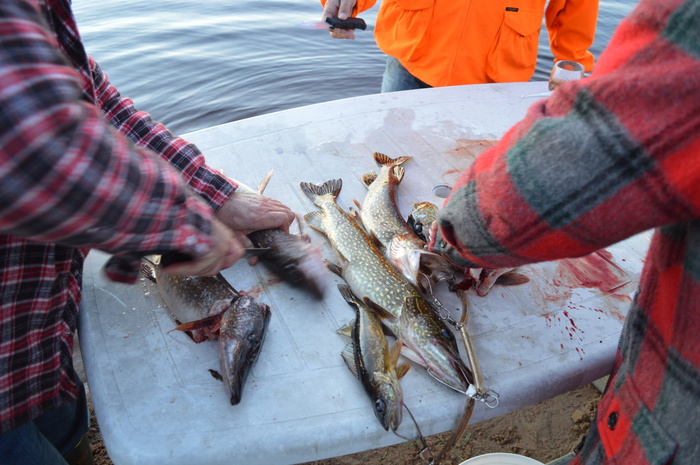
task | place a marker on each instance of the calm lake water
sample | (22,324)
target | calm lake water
(193,65)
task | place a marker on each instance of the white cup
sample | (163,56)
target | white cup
(565,70)
(501,459)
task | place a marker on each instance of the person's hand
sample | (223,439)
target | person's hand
(341,9)
(245,212)
(225,251)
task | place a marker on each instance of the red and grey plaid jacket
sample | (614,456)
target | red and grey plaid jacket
(602,159)
(70,181)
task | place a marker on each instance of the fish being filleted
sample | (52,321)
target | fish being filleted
(427,339)
(371,360)
(241,336)
(293,258)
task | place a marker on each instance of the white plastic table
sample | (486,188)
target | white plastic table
(153,395)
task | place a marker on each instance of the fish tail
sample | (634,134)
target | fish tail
(315,191)
(384,160)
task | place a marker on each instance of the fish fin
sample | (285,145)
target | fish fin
(413,356)
(263,184)
(395,352)
(377,242)
(512,278)
(315,220)
(196,324)
(335,269)
(402,369)
(384,160)
(315,191)
(378,309)
(369,178)
(357,204)
(346,331)
(225,282)
(348,355)
(397,173)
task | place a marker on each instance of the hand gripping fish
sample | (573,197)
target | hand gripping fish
(426,338)
(211,308)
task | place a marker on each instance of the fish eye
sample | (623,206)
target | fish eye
(380,406)
(447,334)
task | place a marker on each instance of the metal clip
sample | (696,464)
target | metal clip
(489,398)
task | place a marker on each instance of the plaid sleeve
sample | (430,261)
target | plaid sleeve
(142,130)
(66,177)
(602,159)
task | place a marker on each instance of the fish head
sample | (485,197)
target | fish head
(429,337)
(240,339)
(388,400)
(422,216)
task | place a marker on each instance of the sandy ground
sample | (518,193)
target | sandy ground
(545,431)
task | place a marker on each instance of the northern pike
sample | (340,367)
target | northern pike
(371,360)
(382,219)
(380,215)
(242,332)
(427,339)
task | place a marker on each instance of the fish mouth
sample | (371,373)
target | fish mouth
(457,377)
(388,412)
(236,359)
(392,420)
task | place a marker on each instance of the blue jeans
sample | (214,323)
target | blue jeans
(49,438)
(396,77)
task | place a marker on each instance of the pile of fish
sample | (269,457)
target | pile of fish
(402,309)
(389,272)
(210,309)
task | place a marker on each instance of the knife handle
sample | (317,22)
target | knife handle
(350,23)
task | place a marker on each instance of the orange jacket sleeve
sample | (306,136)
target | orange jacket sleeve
(571,25)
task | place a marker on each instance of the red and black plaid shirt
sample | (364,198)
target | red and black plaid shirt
(602,159)
(69,182)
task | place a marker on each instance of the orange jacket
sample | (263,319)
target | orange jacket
(448,42)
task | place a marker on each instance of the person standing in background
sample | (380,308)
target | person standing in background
(436,43)
(81,168)
(604,158)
